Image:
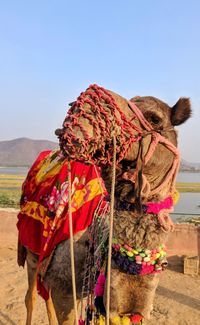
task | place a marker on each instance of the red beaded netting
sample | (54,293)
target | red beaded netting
(91,122)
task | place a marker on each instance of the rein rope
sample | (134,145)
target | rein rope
(157,138)
(72,242)
(111,231)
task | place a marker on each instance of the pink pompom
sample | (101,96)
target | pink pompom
(147,269)
(138,258)
(99,287)
(156,207)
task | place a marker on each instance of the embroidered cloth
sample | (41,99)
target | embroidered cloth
(43,217)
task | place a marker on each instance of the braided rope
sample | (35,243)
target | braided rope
(87,130)
(72,244)
(156,139)
(111,232)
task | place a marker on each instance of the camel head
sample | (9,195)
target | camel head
(145,139)
(156,161)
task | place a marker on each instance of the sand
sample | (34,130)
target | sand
(177,300)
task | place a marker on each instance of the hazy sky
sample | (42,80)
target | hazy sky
(52,50)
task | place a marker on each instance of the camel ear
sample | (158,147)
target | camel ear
(181,111)
(135,99)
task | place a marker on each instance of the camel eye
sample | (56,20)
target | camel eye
(155,119)
(152,118)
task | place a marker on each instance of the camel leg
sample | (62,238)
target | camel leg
(51,311)
(63,305)
(30,297)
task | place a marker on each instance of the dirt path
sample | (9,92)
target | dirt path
(177,300)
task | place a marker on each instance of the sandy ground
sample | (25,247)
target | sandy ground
(177,300)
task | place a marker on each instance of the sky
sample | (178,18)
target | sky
(51,50)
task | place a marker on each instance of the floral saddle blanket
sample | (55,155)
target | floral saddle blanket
(43,218)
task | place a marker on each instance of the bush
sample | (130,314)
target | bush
(7,200)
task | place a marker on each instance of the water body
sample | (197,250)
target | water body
(189,203)
(188,177)
(14,170)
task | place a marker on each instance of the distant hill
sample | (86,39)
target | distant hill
(23,151)
(188,166)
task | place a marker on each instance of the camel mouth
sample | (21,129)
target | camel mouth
(100,118)
(58,132)
(92,122)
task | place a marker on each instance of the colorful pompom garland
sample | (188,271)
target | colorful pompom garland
(138,261)
(132,261)
(135,319)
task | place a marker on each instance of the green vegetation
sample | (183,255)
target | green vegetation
(10,190)
(9,198)
(188,187)
(14,181)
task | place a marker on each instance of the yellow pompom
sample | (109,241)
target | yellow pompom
(130,254)
(116,320)
(157,255)
(175,197)
(125,320)
(102,320)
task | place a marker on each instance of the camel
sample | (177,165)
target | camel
(147,161)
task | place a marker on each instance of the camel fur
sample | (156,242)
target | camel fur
(129,293)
